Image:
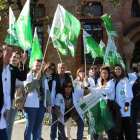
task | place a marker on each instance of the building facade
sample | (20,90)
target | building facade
(125,18)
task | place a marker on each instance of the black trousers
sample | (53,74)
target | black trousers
(125,129)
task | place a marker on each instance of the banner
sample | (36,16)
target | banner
(95,110)
(65,28)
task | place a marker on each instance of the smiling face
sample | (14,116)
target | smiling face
(82,73)
(68,89)
(50,70)
(104,74)
(118,71)
(7,53)
(61,69)
(15,58)
(36,66)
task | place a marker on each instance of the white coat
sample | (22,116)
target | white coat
(132,78)
(77,80)
(32,99)
(109,90)
(124,94)
(59,101)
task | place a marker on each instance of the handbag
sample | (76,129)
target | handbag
(20,98)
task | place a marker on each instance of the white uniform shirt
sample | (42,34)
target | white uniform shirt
(6,80)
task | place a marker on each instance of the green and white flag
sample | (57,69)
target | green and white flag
(95,110)
(65,28)
(12,37)
(102,46)
(63,51)
(36,52)
(23,27)
(112,54)
(91,46)
(109,26)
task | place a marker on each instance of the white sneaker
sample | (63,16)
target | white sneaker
(89,137)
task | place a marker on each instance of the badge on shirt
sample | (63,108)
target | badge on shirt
(122,92)
(11,68)
(77,101)
(61,101)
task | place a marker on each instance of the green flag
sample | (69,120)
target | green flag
(36,52)
(63,51)
(91,46)
(112,54)
(12,37)
(109,26)
(95,110)
(23,27)
(102,46)
(65,29)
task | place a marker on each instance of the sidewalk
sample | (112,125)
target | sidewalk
(18,132)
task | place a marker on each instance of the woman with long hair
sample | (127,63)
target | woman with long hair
(37,101)
(123,97)
(82,80)
(4,103)
(65,100)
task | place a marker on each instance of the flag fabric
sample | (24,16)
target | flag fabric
(109,26)
(65,28)
(36,52)
(103,47)
(91,46)
(23,27)
(112,54)
(12,37)
(95,110)
(63,51)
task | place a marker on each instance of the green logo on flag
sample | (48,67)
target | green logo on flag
(122,92)
(61,101)
(83,106)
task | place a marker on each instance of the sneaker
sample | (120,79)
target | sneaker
(89,137)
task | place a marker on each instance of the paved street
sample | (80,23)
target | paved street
(18,132)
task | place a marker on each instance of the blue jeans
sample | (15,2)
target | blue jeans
(135,106)
(10,121)
(3,134)
(34,117)
(80,129)
(54,128)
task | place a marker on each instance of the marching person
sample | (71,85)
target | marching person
(123,97)
(15,61)
(10,74)
(4,102)
(61,76)
(66,100)
(38,101)
(49,73)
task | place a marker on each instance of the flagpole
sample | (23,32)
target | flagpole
(59,55)
(45,51)
(10,23)
(58,118)
(94,60)
(85,66)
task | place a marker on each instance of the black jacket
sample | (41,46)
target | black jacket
(16,73)
(58,88)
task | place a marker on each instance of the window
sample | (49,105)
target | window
(40,11)
(96,31)
(135,12)
(94,9)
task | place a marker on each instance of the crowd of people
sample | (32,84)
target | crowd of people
(52,90)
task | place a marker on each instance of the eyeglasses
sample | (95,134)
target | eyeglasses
(66,86)
(1,51)
(51,68)
(93,68)
(82,71)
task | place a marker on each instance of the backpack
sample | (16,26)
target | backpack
(20,98)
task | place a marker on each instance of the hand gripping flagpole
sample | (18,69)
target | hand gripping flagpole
(58,118)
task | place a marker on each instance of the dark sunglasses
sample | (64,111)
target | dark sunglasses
(51,68)
(1,51)
(93,68)
(66,86)
(82,71)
